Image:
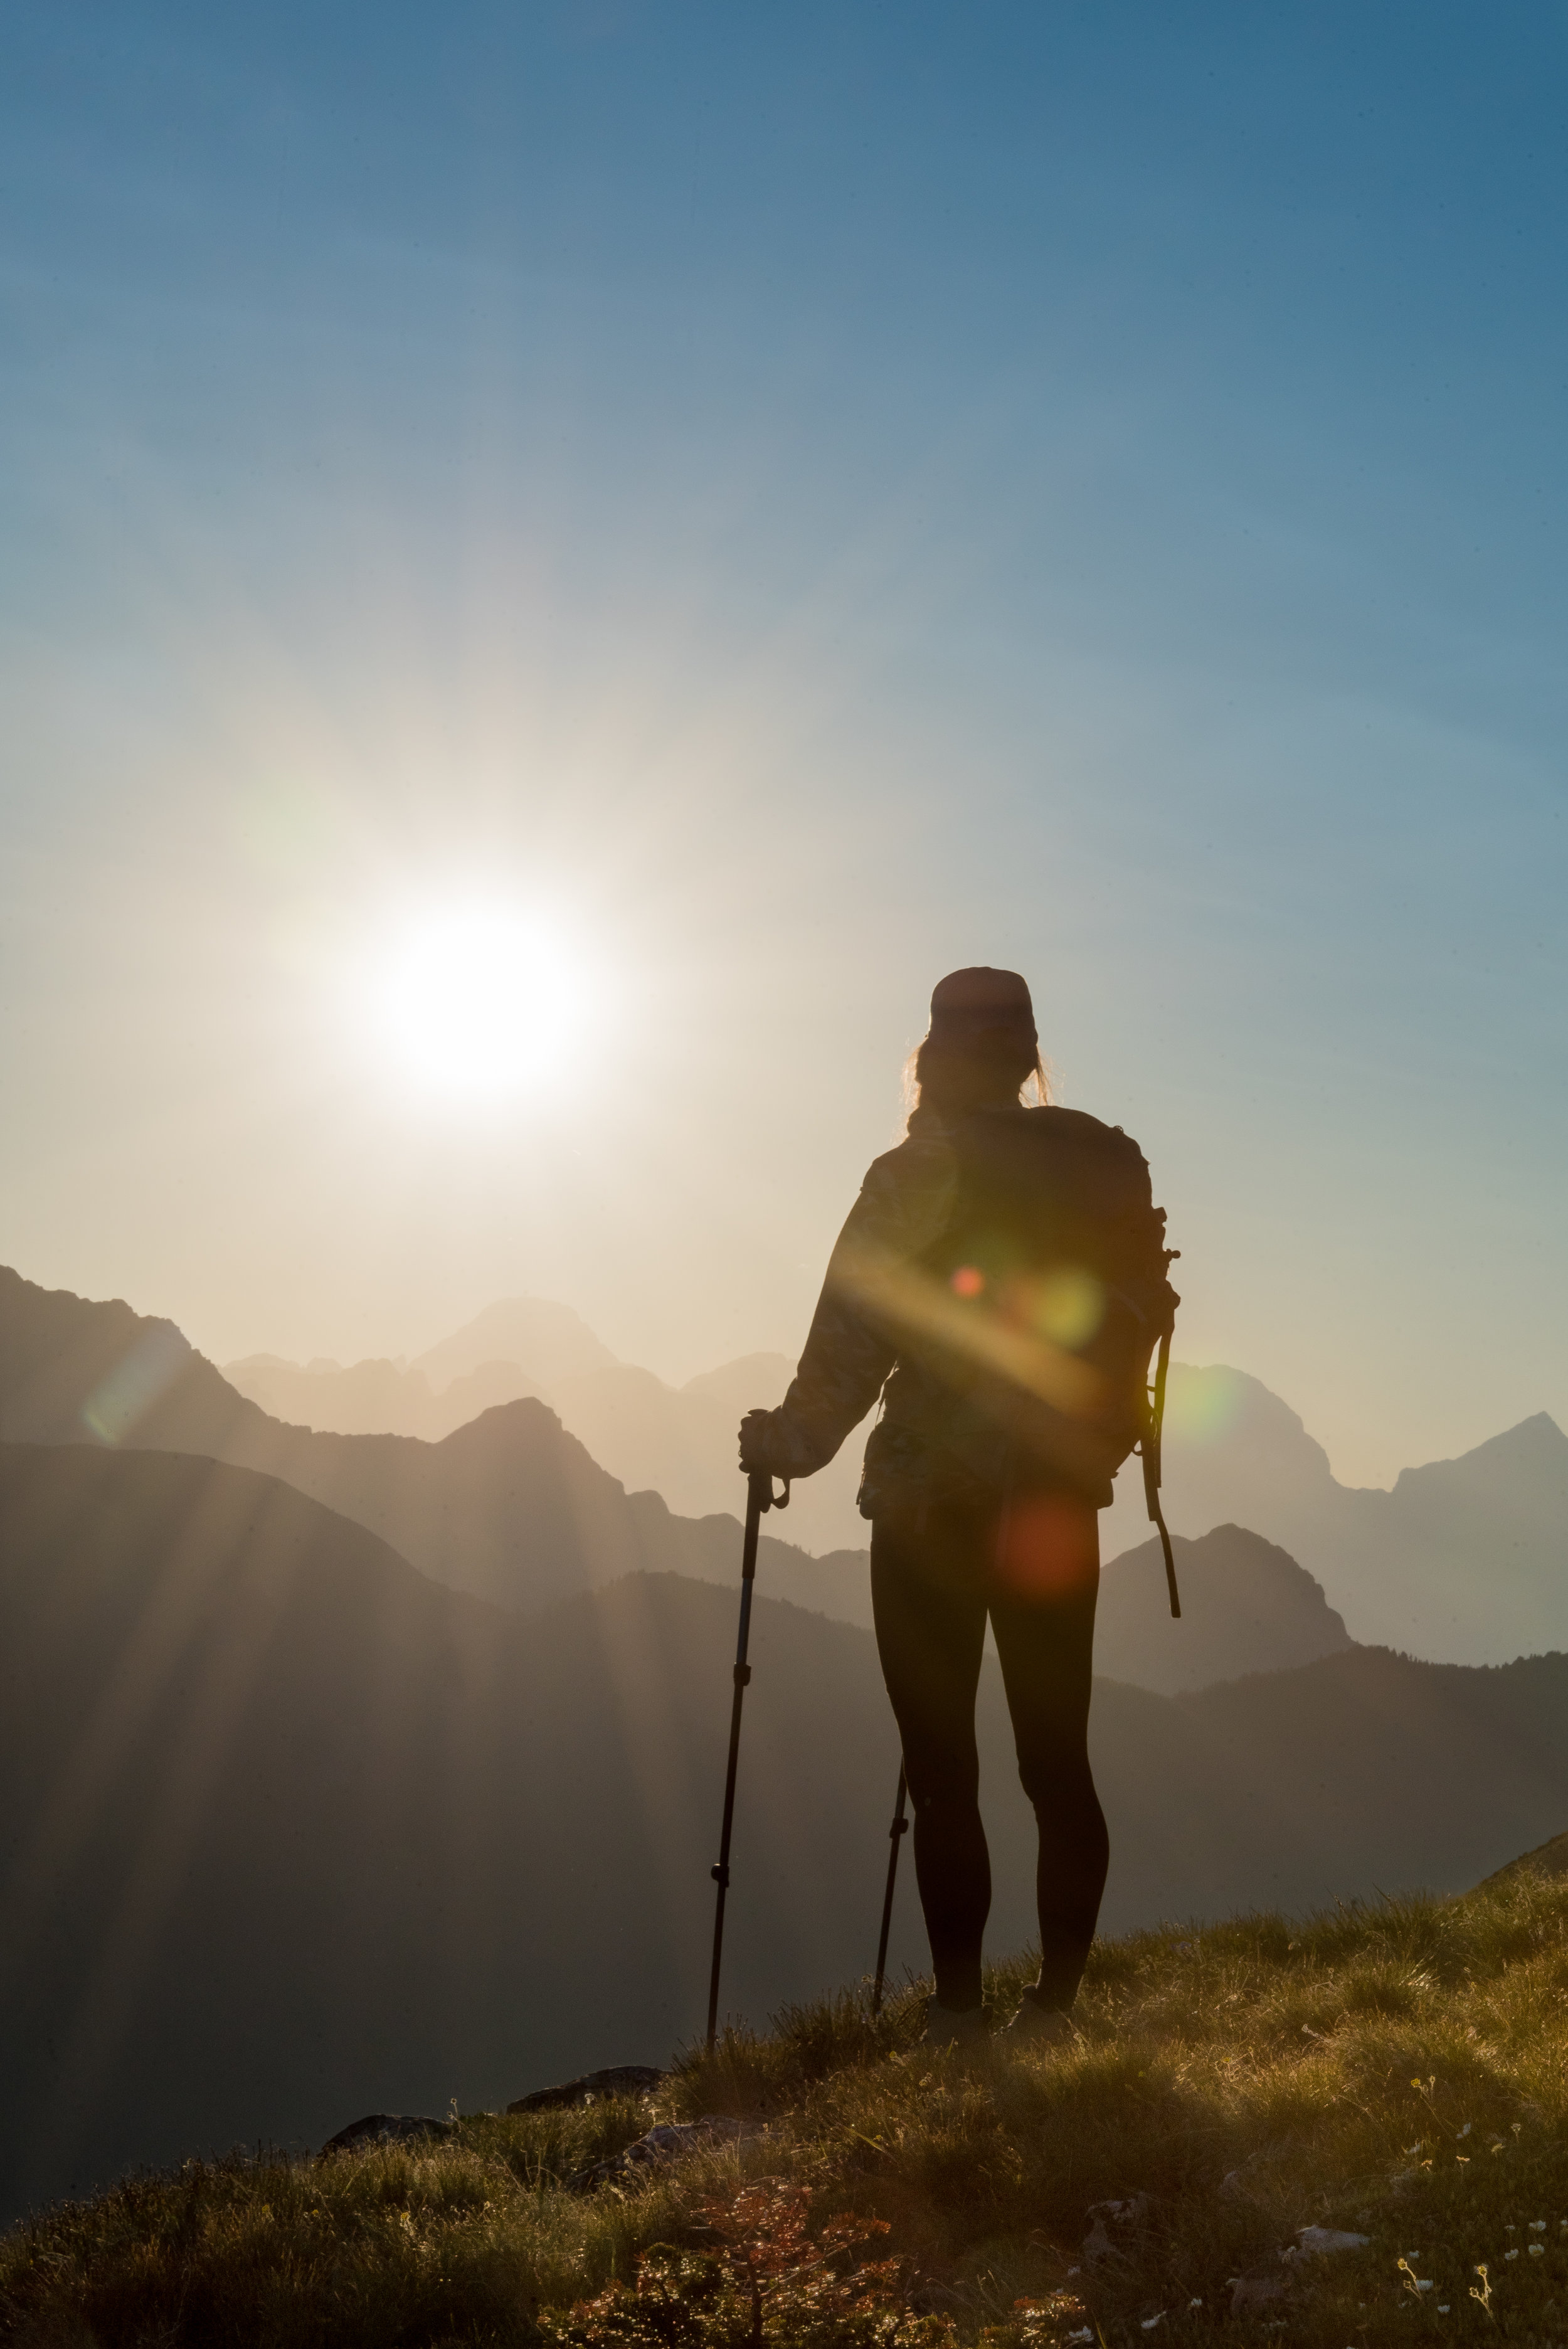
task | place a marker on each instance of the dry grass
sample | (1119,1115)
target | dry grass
(1399,2072)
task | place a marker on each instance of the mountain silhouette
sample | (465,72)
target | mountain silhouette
(1463,1560)
(508,1506)
(374,1398)
(547,1342)
(1246,1607)
(679,1442)
(520,1346)
(512,1508)
(289,1832)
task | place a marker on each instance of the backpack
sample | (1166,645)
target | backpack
(1051,1300)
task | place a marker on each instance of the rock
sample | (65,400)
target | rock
(1263,2284)
(1113,2223)
(387,2128)
(1251,2291)
(1254,2179)
(1330,2239)
(666,2143)
(615,2080)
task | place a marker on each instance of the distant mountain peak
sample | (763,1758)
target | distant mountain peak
(1536,1444)
(1246,1607)
(547,1339)
(1210,1401)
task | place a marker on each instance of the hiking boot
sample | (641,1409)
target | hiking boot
(953,2026)
(1035,2025)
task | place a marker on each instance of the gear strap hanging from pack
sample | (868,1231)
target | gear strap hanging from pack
(1150,1449)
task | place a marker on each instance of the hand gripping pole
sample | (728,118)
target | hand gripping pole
(896,1836)
(760,1495)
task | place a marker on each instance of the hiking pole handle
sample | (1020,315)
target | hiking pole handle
(759,1496)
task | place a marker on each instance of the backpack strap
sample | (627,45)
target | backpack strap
(1150,1449)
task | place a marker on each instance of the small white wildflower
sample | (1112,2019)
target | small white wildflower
(1538,2251)
(1195,2303)
(1443,2308)
(1511,2255)
(1538,2226)
(1085,2332)
(1149,2323)
(1466,2130)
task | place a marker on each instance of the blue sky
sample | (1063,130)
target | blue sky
(804,498)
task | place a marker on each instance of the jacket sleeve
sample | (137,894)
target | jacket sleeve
(905,1204)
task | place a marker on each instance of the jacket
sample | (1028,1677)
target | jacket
(976,1401)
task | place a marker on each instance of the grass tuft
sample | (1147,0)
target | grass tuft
(1398,2071)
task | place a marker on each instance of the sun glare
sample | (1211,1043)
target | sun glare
(478,1003)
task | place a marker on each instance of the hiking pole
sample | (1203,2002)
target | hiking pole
(896,1836)
(760,1495)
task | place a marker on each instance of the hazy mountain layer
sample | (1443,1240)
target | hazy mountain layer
(1246,1607)
(288,1833)
(678,1441)
(374,1398)
(508,1506)
(549,1340)
(1464,1560)
(512,1508)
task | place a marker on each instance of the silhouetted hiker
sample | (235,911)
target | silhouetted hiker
(1000,1283)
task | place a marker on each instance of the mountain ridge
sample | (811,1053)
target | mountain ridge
(1462,1559)
(513,1508)
(288,1830)
(508,1506)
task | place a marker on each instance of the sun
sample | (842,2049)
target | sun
(479,1002)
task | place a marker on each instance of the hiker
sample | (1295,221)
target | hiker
(1000,1283)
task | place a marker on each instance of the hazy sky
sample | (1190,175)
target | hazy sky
(779,502)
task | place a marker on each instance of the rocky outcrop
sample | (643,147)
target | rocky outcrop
(387,2128)
(614,2080)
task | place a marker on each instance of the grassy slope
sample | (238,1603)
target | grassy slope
(1402,2072)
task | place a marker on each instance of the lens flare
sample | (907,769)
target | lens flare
(134,1385)
(1202,1403)
(1069,1307)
